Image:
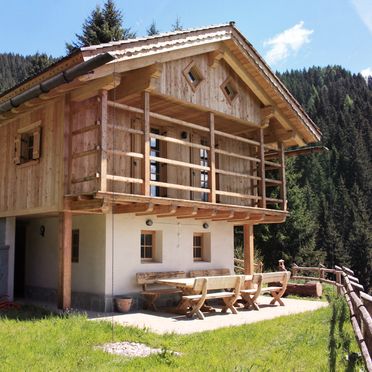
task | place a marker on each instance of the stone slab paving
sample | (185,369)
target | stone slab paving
(170,323)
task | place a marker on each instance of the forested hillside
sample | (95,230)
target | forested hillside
(329,193)
(14,68)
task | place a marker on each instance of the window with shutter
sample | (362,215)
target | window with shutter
(27,144)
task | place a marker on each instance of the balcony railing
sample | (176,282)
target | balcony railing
(260,174)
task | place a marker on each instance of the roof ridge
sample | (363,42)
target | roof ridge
(160,35)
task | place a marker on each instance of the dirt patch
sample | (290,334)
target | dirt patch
(132,349)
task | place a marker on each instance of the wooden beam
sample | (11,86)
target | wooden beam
(222,216)
(80,205)
(91,89)
(134,208)
(172,210)
(186,212)
(283,187)
(248,249)
(103,135)
(64,260)
(251,218)
(267,113)
(158,210)
(214,58)
(146,145)
(138,80)
(261,171)
(206,214)
(212,160)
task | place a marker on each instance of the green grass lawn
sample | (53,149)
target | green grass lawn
(33,340)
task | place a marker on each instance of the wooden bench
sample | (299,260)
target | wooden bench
(209,272)
(150,288)
(202,286)
(250,295)
(280,277)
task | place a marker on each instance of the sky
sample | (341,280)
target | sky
(289,34)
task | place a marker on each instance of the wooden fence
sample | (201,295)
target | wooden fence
(359,302)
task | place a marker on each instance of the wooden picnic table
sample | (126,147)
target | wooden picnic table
(187,285)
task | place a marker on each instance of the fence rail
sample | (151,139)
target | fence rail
(359,302)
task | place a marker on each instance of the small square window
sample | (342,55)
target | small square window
(229,89)
(193,76)
(75,246)
(148,245)
(27,144)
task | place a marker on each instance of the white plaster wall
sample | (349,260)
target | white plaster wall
(177,253)
(88,275)
(41,261)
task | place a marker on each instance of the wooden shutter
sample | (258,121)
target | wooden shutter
(37,142)
(17,149)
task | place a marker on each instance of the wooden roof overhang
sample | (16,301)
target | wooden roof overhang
(223,41)
(105,202)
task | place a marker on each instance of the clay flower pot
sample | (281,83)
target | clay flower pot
(123,304)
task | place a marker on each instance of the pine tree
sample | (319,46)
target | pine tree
(152,29)
(177,25)
(39,62)
(102,26)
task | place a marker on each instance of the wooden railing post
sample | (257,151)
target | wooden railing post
(64,259)
(248,250)
(146,145)
(262,170)
(212,160)
(103,145)
(283,187)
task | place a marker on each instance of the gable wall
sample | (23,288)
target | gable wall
(172,82)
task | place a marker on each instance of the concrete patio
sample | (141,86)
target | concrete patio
(162,322)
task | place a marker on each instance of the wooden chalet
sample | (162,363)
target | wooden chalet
(141,155)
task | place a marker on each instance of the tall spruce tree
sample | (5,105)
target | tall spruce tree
(102,26)
(152,29)
(177,25)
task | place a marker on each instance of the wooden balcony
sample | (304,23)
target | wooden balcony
(154,156)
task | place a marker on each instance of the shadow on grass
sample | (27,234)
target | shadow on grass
(339,344)
(27,313)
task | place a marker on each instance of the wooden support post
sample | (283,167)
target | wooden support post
(146,145)
(212,160)
(262,170)
(283,188)
(65,237)
(103,119)
(248,250)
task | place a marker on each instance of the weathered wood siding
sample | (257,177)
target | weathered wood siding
(83,115)
(35,187)
(172,82)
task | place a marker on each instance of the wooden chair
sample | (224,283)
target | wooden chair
(151,291)
(281,277)
(250,295)
(203,285)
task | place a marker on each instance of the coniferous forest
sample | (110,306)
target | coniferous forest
(329,193)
